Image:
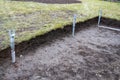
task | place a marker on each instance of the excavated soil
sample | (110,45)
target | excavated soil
(54,1)
(92,54)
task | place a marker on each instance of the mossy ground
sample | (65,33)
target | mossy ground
(31,19)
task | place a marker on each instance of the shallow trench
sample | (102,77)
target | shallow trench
(54,2)
(93,54)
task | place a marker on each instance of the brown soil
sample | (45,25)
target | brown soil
(93,54)
(113,0)
(54,1)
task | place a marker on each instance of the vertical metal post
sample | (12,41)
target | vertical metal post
(12,44)
(74,22)
(99,18)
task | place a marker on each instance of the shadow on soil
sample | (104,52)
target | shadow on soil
(53,1)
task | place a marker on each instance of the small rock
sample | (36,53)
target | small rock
(21,56)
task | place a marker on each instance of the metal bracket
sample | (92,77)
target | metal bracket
(100,15)
(12,44)
(74,22)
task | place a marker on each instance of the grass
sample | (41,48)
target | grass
(31,19)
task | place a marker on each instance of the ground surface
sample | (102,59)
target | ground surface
(93,54)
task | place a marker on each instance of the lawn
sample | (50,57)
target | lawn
(31,19)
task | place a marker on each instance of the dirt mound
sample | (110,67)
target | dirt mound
(54,1)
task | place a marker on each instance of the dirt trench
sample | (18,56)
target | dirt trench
(92,54)
(53,1)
